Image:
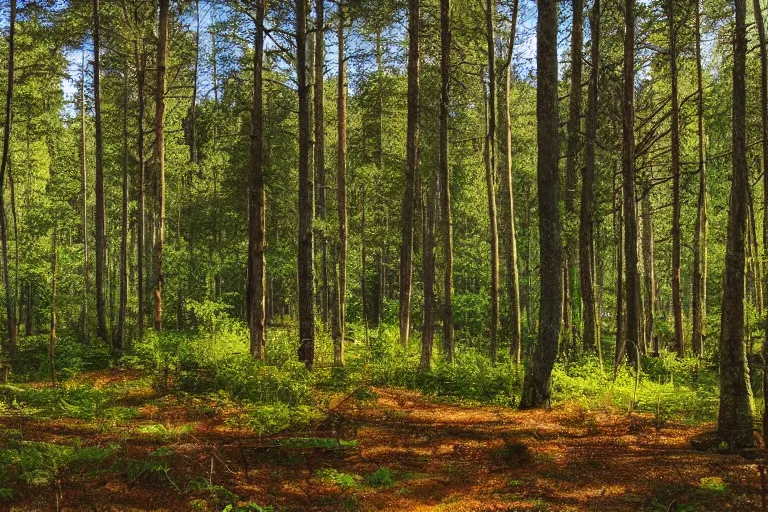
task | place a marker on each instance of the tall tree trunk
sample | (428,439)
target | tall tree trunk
(536,386)
(84,194)
(159,159)
(100,224)
(510,255)
(649,277)
(621,340)
(628,171)
(117,334)
(257,200)
(490,170)
(571,162)
(590,317)
(54,280)
(428,276)
(4,165)
(141,66)
(759,21)
(444,170)
(699,305)
(677,308)
(363,266)
(319,156)
(412,169)
(341,194)
(306,283)
(734,423)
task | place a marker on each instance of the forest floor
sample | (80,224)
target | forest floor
(406,452)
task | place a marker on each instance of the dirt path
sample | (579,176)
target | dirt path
(412,454)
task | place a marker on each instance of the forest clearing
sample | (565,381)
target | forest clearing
(371,448)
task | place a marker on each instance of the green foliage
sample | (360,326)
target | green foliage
(668,388)
(382,477)
(713,484)
(40,464)
(216,494)
(343,480)
(81,402)
(316,442)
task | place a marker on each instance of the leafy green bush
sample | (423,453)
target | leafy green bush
(382,477)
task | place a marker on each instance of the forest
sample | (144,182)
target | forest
(404,255)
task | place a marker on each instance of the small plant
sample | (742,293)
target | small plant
(713,484)
(382,477)
(343,480)
(217,494)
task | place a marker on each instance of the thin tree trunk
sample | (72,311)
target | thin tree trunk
(257,201)
(306,293)
(141,66)
(510,255)
(621,340)
(412,170)
(444,170)
(428,276)
(84,194)
(735,417)
(649,277)
(677,308)
(537,383)
(363,268)
(628,171)
(159,159)
(571,162)
(490,169)
(759,21)
(699,305)
(341,194)
(4,165)
(117,334)
(54,280)
(590,318)
(100,224)
(319,156)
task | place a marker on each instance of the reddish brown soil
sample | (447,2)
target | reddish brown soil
(442,458)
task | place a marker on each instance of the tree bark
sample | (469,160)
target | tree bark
(341,195)
(428,276)
(4,165)
(117,334)
(444,170)
(158,156)
(141,66)
(319,156)
(590,318)
(54,280)
(490,169)
(84,194)
(306,283)
(412,169)
(257,200)
(513,275)
(100,224)
(677,308)
(760,23)
(629,171)
(571,162)
(621,340)
(735,416)
(699,305)
(537,383)
(649,276)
